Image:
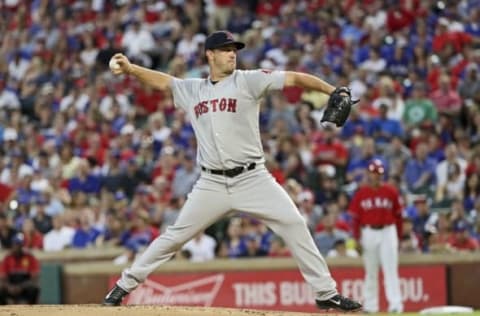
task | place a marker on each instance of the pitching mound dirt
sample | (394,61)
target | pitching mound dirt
(94,310)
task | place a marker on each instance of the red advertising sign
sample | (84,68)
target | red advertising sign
(421,287)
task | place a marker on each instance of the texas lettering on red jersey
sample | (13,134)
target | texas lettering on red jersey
(376,206)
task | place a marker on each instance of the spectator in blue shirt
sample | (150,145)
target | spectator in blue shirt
(355,124)
(382,129)
(85,234)
(357,168)
(420,171)
(84,180)
(473,25)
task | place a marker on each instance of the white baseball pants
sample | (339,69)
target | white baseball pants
(254,192)
(380,247)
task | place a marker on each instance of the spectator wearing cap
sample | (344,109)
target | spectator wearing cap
(461,239)
(19,271)
(421,215)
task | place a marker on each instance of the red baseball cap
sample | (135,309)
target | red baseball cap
(376,165)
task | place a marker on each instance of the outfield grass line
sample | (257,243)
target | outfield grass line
(476,313)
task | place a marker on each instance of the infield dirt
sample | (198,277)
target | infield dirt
(95,310)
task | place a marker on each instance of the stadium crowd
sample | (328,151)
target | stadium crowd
(88,159)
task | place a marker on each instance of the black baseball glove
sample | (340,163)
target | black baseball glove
(338,106)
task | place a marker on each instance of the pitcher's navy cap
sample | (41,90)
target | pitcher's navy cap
(221,38)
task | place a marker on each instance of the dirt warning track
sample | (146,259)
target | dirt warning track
(95,310)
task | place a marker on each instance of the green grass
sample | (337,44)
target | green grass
(477,313)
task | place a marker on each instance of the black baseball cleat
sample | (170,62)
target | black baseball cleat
(340,303)
(114,297)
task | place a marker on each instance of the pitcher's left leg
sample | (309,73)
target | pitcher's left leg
(264,198)
(389,261)
(261,196)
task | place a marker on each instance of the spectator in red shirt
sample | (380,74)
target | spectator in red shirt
(444,37)
(278,248)
(461,239)
(330,150)
(19,272)
(399,17)
(446,99)
(33,238)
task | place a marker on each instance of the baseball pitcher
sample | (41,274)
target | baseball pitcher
(377,225)
(223,110)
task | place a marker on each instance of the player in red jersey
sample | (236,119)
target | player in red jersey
(19,273)
(377,220)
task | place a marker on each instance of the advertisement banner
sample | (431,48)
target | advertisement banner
(286,290)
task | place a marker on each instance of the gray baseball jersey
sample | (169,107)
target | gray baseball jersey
(225,115)
(225,119)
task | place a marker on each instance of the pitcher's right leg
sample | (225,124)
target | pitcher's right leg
(203,207)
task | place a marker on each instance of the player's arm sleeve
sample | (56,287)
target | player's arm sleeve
(182,91)
(307,82)
(258,82)
(354,210)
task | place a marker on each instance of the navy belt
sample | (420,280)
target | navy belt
(378,227)
(230,172)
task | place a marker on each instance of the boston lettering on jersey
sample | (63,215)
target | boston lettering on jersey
(377,202)
(220,105)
